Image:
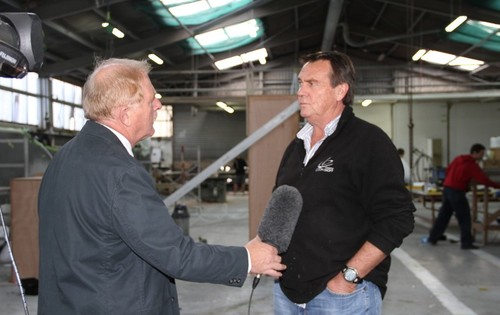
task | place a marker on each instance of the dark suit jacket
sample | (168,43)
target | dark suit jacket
(107,242)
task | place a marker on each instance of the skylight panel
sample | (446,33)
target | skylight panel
(437,57)
(228,63)
(188,9)
(259,54)
(226,38)
(465,63)
(483,34)
(190,12)
(174,2)
(490,27)
(212,37)
(249,28)
(219,3)
(441,58)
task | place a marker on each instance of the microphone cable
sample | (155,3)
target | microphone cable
(255,282)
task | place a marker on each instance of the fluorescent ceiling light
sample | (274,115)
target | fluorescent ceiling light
(418,54)
(456,23)
(366,102)
(212,37)
(114,30)
(117,33)
(155,58)
(225,107)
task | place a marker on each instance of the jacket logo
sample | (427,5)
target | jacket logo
(325,166)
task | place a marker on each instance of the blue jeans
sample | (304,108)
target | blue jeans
(366,299)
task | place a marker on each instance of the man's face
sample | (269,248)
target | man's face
(478,156)
(144,114)
(317,97)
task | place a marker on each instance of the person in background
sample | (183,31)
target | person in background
(356,208)
(406,166)
(107,242)
(459,175)
(240,168)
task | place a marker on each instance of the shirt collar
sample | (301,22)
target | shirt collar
(306,131)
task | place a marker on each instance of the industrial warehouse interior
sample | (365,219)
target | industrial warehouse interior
(226,74)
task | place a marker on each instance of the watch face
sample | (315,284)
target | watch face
(350,274)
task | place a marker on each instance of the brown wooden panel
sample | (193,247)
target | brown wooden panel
(24,224)
(265,155)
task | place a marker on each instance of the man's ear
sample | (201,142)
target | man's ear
(341,91)
(123,115)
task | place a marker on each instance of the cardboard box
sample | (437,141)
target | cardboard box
(494,154)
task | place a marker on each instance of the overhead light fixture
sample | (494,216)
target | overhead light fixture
(117,33)
(259,54)
(113,30)
(442,58)
(418,54)
(225,107)
(155,58)
(456,23)
(158,96)
(366,102)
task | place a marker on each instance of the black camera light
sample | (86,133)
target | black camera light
(21,44)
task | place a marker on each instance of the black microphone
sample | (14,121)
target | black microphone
(280,217)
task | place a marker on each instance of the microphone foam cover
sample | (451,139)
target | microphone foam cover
(280,217)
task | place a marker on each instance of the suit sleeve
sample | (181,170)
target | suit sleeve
(143,222)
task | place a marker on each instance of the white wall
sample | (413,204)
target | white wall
(464,124)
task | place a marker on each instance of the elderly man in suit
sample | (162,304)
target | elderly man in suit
(107,242)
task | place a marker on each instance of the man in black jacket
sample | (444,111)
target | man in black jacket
(356,208)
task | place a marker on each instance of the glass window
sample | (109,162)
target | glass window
(20,108)
(66,92)
(67,117)
(164,125)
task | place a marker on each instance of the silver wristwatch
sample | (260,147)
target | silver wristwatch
(351,274)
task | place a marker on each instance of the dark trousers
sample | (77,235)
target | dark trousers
(454,201)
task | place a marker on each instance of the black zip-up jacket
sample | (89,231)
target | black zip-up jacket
(353,191)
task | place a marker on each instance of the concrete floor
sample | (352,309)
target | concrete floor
(424,279)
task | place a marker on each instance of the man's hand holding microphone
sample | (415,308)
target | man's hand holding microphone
(275,232)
